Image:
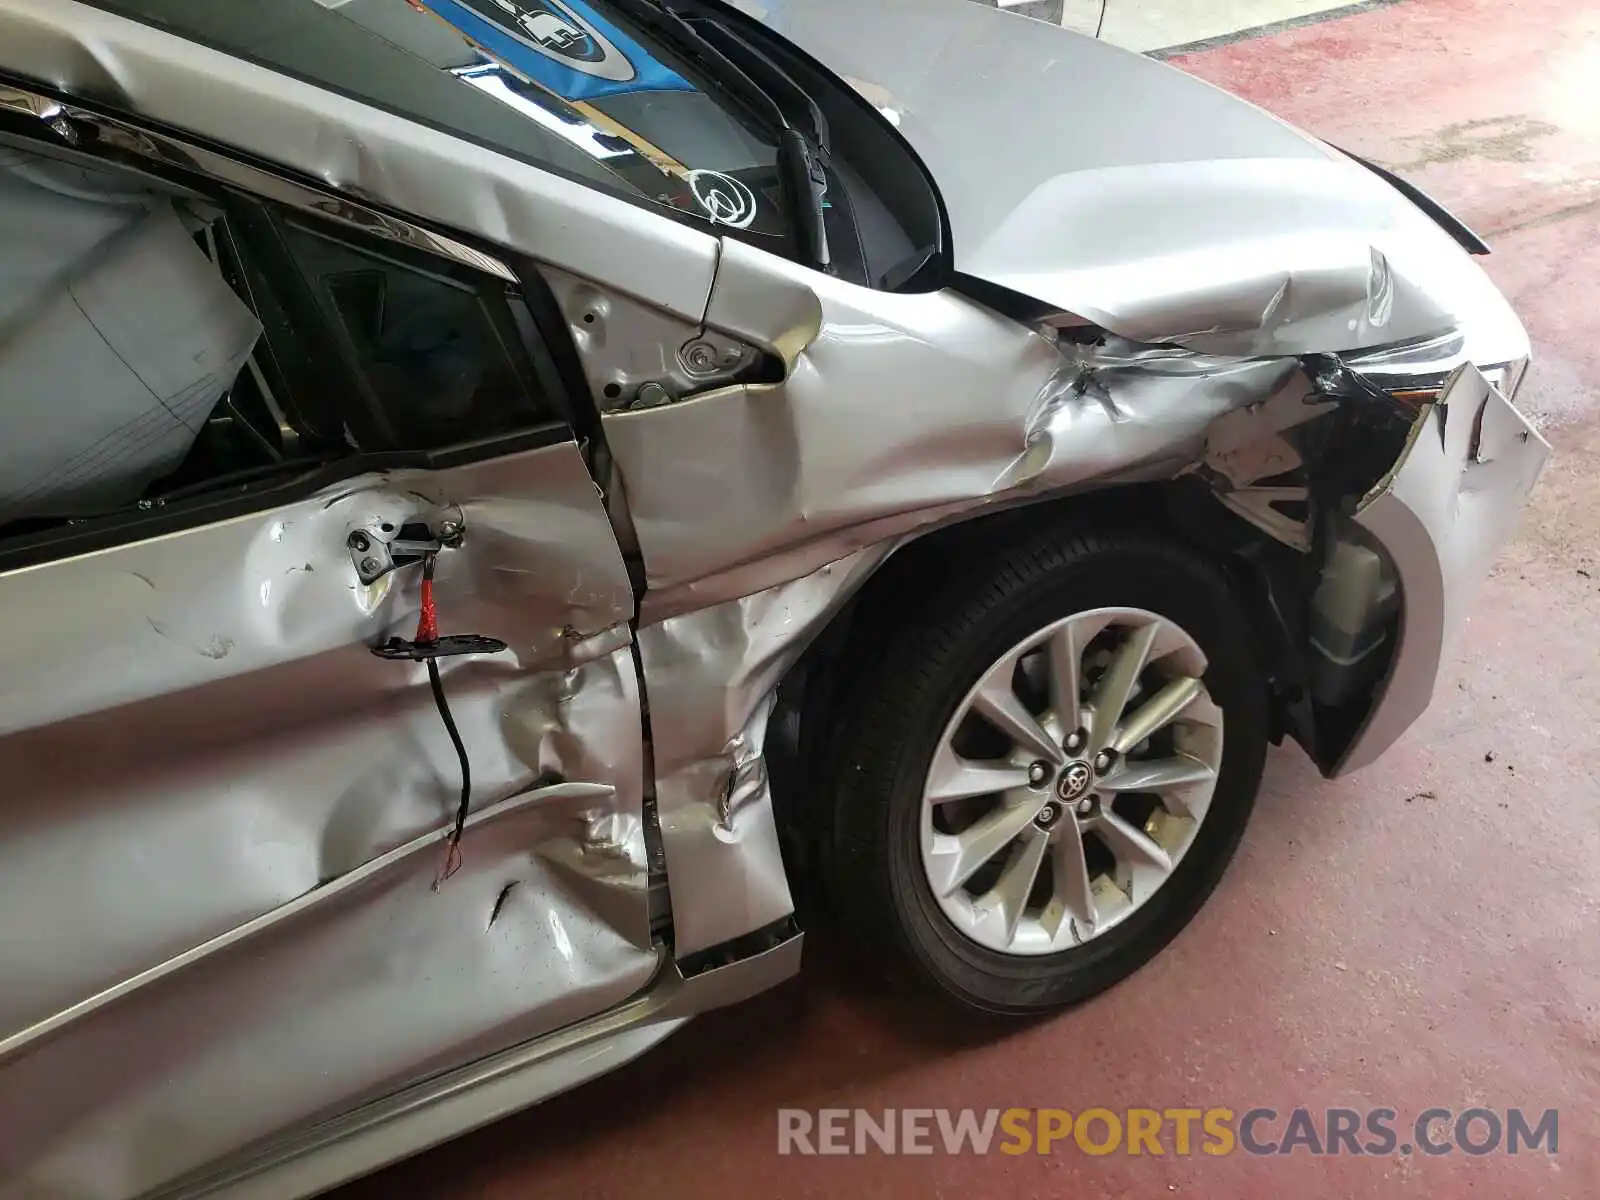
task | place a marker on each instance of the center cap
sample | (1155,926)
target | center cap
(1074,781)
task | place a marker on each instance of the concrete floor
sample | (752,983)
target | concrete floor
(1424,934)
(1147,25)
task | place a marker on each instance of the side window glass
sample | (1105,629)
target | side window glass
(435,353)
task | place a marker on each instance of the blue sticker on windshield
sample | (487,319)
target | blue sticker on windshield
(562,44)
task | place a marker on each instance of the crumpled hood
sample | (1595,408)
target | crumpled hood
(1125,191)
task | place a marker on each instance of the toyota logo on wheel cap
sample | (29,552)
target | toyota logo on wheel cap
(1074,781)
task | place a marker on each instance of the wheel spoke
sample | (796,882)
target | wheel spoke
(1130,845)
(1156,713)
(1071,869)
(955,778)
(998,704)
(1157,775)
(1116,685)
(1203,712)
(1063,659)
(1009,896)
(957,857)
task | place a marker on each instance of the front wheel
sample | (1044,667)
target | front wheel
(1043,776)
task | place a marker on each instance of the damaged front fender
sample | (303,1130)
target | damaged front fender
(743,495)
(1442,514)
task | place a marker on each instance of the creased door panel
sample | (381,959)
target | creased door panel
(196,736)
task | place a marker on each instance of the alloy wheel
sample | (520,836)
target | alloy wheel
(1070,781)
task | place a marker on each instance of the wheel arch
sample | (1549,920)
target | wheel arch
(1264,574)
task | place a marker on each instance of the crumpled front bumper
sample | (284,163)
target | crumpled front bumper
(1443,514)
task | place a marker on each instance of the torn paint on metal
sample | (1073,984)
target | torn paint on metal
(747,774)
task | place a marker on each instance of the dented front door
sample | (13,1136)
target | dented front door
(222,831)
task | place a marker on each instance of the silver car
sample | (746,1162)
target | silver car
(508,507)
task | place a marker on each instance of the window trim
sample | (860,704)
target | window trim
(117,530)
(100,135)
(202,170)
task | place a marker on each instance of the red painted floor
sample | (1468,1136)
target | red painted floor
(1424,934)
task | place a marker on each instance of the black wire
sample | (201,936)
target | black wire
(443,705)
(455,737)
(461,751)
(1101,23)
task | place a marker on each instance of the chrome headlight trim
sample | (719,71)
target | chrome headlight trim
(1418,371)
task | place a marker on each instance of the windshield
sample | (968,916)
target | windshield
(570,85)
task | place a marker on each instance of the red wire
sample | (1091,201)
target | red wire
(428,622)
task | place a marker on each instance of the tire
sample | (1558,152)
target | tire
(907,689)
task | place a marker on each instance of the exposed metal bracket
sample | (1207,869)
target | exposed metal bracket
(1254,468)
(1255,504)
(635,356)
(379,549)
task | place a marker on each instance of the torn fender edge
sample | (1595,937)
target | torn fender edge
(1451,503)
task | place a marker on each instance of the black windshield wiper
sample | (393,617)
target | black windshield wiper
(808,179)
(778,83)
(801,161)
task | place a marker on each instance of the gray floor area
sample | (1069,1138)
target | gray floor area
(1146,25)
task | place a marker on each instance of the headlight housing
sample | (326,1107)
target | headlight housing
(1415,373)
